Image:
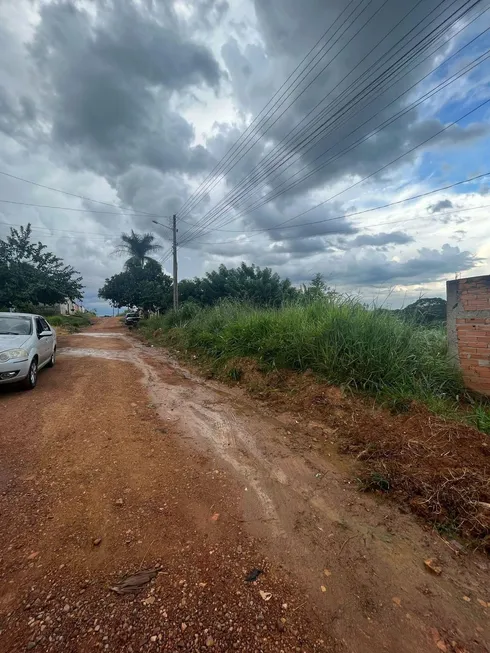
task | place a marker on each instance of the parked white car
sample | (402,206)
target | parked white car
(27,344)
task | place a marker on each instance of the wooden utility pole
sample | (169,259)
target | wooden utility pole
(174,248)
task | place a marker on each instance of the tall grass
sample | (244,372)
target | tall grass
(337,338)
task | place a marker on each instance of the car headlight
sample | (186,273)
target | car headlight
(13,354)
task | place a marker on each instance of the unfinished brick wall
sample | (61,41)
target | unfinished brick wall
(468,325)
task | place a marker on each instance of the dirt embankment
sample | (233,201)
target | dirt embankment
(122,461)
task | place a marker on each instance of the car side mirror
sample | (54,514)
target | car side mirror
(44,334)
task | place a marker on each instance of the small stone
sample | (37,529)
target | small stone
(153,638)
(33,555)
(97,541)
(466,598)
(119,502)
(30,645)
(66,608)
(432,566)
(209,642)
(183,626)
(280,625)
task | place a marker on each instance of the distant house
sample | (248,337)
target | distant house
(71,308)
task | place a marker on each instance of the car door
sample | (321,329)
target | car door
(49,339)
(42,343)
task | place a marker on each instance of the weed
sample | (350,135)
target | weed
(374,481)
(235,374)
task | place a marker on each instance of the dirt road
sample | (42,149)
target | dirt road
(121,461)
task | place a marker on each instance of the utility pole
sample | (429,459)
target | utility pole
(174,248)
(174,252)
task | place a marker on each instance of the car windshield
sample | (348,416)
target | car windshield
(15,325)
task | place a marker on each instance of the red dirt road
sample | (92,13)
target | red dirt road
(121,461)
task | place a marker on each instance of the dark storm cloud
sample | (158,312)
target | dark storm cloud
(289,29)
(381,239)
(440,206)
(428,265)
(107,84)
(374,268)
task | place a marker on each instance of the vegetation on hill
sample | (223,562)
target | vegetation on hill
(427,311)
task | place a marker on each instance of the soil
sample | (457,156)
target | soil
(122,461)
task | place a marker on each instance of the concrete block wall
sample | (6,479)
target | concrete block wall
(468,326)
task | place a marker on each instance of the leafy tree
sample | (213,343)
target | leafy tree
(142,286)
(138,247)
(191,290)
(29,274)
(248,283)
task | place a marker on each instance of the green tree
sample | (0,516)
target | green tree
(248,283)
(145,287)
(138,247)
(30,275)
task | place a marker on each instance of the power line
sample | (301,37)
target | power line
(363,211)
(304,90)
(377,224)
(195,232)
(276,193)
(223,242)
(380,169)
(202,190)
(314,108)
(68,208)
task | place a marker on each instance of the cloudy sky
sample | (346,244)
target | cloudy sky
(275,129)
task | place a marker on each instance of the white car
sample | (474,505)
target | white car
(27,344)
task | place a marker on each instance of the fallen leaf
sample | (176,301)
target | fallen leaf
(397,601)
(265,595)
(202,584)
(33,555)
(134,583)
(323,588)
(327,572)
(432,566)
(215,517)
(466,598)
(441,646)
(483,604)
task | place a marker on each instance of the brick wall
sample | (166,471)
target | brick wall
(468,324)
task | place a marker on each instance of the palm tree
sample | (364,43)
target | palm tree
(138,247)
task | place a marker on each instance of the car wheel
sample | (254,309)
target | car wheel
(52,360)
(31,379)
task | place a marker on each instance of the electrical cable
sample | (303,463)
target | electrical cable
(185,233)
(203,188)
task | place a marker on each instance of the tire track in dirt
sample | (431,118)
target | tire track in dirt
(303,506)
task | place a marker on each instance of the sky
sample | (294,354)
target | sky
(276,131)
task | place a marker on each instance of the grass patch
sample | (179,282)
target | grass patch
(71,323)
(339,340)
